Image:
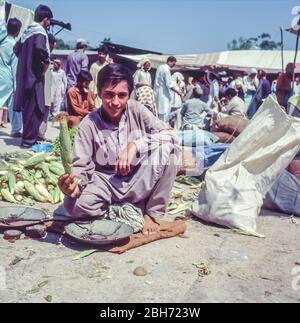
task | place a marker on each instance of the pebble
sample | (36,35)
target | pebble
(140,271)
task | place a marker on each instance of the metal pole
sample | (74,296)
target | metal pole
(282,59)
(295,59)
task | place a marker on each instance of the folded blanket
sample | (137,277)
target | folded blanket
(166,230)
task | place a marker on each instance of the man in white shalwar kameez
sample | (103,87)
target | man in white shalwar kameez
(163,86)
(58,87)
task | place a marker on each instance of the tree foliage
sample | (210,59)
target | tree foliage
(263,42)
(60,44)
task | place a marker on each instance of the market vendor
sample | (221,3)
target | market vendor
(80,99)
(235,106)
(122,154)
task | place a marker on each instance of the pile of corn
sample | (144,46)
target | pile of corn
(31,178)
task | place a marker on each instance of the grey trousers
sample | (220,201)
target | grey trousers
(151,192)
(43,126)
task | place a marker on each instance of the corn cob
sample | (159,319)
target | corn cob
(43,192)
(19,188)
(38,174)
(3,172)
(56,171)
(34,193)
(57,164)
(61,196)
(14,169)
(26,175)
(56,195)
(50,158)
(11,182)
(7,196)
(45,168)
(53,179)
(42,181)
(65,147)
(19,198)
(35,160)
(51,187)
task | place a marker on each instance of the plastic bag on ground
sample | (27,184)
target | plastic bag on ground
(239,181)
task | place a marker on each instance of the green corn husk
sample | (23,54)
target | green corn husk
(38,174)
(42,181)
(35,160)
(32,191)
(7,196)
(26,175)
(45,169)
(43,192)
(61,196)
(20,188)
(51,187)
(65,147)
(56,195)
(53,179)
(50,158)
(57,171)
(19,198)
(57,165)
(11,182)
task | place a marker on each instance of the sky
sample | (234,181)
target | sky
(172,26)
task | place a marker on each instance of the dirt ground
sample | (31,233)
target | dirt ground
(209,264)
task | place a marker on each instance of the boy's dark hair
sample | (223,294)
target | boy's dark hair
(42,12)
(115,73)
(84,76)
(103,49)
(14,26)
(171,59)
(263,73)
(231,92)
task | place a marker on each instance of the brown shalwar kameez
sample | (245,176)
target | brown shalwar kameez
(97,146)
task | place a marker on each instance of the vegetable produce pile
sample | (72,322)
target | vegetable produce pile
(184,193)
(28,178)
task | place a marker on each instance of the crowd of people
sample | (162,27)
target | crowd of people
(120,115)
(34,85)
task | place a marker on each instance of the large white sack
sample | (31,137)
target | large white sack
(237,184)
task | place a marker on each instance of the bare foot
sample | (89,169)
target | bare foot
(150,226)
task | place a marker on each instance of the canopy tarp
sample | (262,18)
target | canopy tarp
(243,60)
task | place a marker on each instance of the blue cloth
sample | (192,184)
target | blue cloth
(210,153)
(285,195)
(42,148)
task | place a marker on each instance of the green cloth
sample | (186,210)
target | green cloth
(295,101)
(128,214)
